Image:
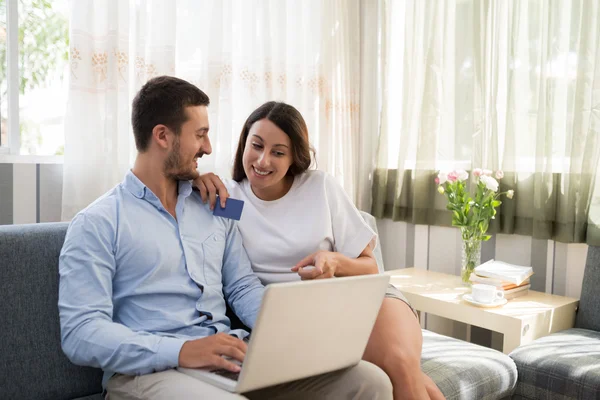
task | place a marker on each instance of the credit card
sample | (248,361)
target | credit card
(233,209)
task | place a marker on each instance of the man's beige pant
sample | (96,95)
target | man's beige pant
(364,381)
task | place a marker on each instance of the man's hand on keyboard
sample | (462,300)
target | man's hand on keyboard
(210,351)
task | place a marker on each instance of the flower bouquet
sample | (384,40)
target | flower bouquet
(471,214)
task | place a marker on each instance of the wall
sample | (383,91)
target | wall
(30,193)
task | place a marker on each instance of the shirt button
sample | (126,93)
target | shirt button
(215,238)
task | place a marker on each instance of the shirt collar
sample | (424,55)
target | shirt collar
(139,190)
(185,188)
(134,185)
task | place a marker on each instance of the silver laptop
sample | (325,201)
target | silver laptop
(304,329)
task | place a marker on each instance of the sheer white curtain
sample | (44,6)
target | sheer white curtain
(493,83)
(512,85)
(418,87)
(240,52)
(98,142)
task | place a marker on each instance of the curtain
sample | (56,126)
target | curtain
(240,52)
(511,85)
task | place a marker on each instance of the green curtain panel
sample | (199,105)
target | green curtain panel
(540,208)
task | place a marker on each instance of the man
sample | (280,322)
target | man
(146,271)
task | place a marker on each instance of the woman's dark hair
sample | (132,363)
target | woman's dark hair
(289,120)
(162,100)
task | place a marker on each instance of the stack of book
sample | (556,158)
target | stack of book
(514,280)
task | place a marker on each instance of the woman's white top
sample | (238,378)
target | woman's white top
(316,214)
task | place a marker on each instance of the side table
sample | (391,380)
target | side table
(521,320)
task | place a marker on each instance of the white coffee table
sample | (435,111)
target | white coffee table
(521,320)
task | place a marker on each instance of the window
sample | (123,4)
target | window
(33,76)
(3,73)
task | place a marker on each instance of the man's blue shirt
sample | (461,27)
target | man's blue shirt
(136,283)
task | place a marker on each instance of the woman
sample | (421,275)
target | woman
(298,217)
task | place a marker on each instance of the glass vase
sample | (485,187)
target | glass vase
(471,258)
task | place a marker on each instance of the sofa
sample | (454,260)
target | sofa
(566,364)
(34,366)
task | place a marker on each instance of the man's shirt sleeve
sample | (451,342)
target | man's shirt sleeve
(88,334)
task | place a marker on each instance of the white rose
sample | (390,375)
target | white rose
(462,175)
(489,183)
(443,177)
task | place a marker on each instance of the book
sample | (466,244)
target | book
(503,271)
(499,283)
(516,292)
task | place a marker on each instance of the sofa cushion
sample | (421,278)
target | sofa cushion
(463,370)
(33,365)
(588,314)
(564,365)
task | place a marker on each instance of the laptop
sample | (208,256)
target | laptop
(304,329)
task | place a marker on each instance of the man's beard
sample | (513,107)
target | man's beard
(174,169)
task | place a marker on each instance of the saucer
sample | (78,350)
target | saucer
(469,299)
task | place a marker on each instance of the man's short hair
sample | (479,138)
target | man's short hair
(162,100)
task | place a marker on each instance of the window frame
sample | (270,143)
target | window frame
(11,152)
(12,76)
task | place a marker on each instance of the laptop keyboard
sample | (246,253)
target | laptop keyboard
(234,376)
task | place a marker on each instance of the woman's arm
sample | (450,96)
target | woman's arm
(364,264)
(328,264)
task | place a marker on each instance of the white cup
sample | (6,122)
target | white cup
(486,293)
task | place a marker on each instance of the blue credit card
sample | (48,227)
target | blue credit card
(233,209)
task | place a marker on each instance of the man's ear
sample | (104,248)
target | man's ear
(160,134)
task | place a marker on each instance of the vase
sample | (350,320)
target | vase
(471,258)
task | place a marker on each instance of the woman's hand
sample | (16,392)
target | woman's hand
(324,265)
(210,185)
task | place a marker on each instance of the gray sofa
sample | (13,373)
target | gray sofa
(34,366)
(566,364)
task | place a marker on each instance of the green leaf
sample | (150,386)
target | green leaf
(483,226)
(485,238)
